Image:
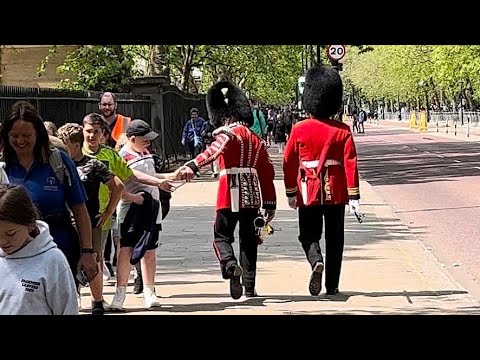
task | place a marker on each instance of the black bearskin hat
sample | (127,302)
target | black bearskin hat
(323,93)
(224,100)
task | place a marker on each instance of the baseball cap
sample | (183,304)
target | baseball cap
(141,128)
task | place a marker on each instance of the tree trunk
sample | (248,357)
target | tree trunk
(188,53)
(157,61)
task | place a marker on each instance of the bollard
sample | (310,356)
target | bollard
(455,127)
(437,125)
(468,126)
(446,127)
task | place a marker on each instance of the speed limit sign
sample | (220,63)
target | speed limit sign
(336,52)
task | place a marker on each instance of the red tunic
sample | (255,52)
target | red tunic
(320,163)
(246,171)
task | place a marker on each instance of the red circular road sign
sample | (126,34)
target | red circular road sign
(336,52)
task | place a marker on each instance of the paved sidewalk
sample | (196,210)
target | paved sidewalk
(386,270)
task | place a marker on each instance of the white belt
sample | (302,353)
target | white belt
(243,170)
(314,163)
(235,190)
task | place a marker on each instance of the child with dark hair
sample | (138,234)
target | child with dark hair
(36,277)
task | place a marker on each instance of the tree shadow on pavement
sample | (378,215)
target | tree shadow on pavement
(385,163)
(185,258)
(272,300)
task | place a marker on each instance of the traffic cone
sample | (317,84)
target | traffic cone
(413,120)
(423,121)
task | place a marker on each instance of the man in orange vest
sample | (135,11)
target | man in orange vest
(118,123)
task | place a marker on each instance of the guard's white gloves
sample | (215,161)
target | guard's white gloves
(354,206)
(292,202)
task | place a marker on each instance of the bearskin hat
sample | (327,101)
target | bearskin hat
(323,93)
(224,100)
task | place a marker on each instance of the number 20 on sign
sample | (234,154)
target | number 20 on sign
(336,52)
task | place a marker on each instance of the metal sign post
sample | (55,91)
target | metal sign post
(336,53)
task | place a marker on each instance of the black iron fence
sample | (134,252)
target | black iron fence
(176,112)
(62,106)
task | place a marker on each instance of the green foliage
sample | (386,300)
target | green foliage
(402,71)
(268,73)
(101,68)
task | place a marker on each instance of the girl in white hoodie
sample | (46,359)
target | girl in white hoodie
(35,275)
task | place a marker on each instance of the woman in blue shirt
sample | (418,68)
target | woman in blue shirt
(26,152)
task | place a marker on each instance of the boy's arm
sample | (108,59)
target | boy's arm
(115,185)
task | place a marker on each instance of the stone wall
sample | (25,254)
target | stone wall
(19,65)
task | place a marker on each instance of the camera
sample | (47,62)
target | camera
(82,278)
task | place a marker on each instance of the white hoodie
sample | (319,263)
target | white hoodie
(36,280)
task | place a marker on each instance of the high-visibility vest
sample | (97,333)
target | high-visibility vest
(120,126)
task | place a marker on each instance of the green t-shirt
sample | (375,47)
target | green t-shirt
(116,165)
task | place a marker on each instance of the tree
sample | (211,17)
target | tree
(267,73)
(97,67)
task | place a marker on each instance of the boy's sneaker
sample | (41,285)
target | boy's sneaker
(118,299)
(150,299)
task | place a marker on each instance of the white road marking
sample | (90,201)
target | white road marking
(477,167)
(440,155)
(457,161)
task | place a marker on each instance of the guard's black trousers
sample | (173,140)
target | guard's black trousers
(310,221)
(224,228)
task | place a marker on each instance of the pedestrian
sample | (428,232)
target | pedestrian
(280,133)
(93,173)
(36,277)
(117,123)
(52,181)
(245,184)
(137,157)
(191,134)
(321,176)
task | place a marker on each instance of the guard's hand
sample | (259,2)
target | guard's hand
(354,206)
(292,202)
(269,215)
(183,142)
(184,173)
